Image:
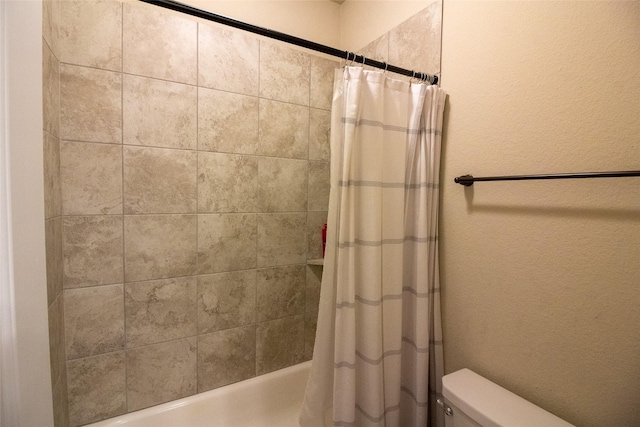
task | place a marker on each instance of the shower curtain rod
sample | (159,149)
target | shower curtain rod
(344,54)
(468,180)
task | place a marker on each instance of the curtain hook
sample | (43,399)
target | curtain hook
(363,61)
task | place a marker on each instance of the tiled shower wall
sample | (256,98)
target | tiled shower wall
(190,171)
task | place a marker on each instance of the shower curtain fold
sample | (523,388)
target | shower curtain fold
(378,354)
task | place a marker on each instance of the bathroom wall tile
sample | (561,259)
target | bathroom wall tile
(425,25)
(322,75)
(227,122)
(227,183)
(93,320)
(50,91)
(226,357)
(159,180)
(161,372)
(280,292)
(282,185)
(57,355)
(159,43)
(319,135)
(97,388)
(159,246)
(282,239)
(92,250)
(91,33)
(160,310)
(51,24)
(315,221)
(53,247)
(314,281)
(90,104)
(377,49)
(159,113)
(284,130)
(310,322)
(91,178)
(279,343)
(319,186)
(226,242)
(51,165)
(228,60)
(60,402)
(284,73)
(226,300)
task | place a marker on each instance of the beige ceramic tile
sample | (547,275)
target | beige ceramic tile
(92,248)
(161,372)
(90,104)
(227,122)
(93,320)
(226,357)
(377,49)
(314,280)
(159,43)
(97,388)
(319,186)
(228,60)
(51,162)
(226,242)
(227,183)
(226,300)
(284,129)
(53,247)
(284,73)
(279,343)
(322,74)
(160,310)
(91,33)
(319,135)
(315,221)
(159,113)
(57,356)
(50,91)
(280,292)
(91,177)
(282,239)
(415,44)
(51,24)
(159,246)
(159,180)
(282,185)
(310,323)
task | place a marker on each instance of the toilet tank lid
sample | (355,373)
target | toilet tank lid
(493,406)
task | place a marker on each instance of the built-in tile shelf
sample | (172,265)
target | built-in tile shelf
(318,261)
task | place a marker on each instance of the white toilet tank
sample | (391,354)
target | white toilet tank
(477,402)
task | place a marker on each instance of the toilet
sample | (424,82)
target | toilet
(471,400)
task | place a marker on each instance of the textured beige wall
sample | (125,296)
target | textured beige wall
(541,279)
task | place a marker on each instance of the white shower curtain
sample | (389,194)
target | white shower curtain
(378,352)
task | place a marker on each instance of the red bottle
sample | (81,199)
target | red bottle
(324,239)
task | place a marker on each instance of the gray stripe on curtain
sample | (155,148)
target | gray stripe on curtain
(379,124)
(362,242)
(378,184)
(380,417)
(413,397)
(368,360)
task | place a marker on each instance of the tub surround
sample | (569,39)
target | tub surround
(187,183)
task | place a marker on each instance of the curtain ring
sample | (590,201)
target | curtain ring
(385,67)
(363,61)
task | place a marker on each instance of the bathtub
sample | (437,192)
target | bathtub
(270,400)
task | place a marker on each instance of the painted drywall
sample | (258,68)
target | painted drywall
(22,95)
(316,20)
(362,21)
(541,279)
